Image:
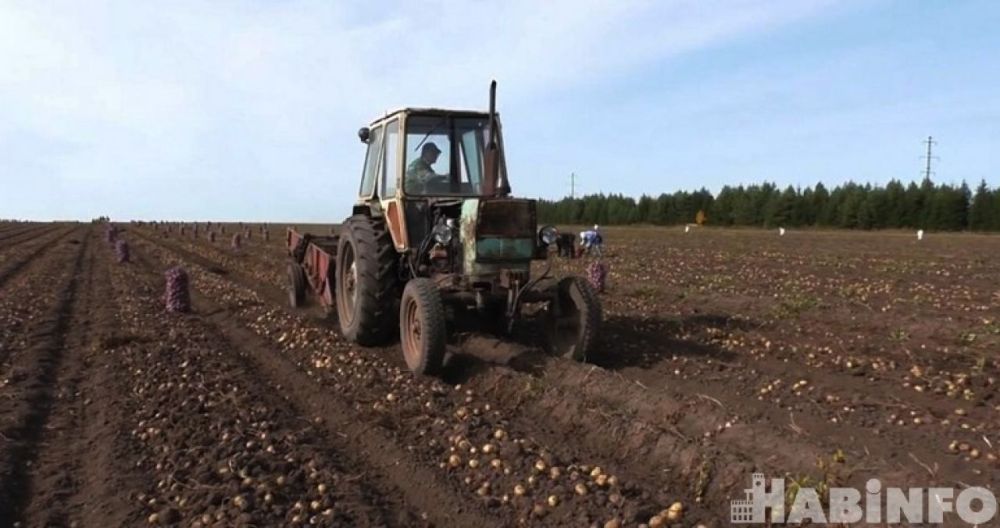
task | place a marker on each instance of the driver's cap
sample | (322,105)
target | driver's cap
(431,147)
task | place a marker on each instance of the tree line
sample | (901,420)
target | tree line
(939,207)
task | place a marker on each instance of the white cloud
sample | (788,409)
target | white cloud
(130,96)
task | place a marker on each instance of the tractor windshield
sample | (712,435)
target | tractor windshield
(445,156)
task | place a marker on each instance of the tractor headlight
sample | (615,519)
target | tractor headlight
(547,235)
(443,234)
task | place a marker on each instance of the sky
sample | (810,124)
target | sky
(249,110)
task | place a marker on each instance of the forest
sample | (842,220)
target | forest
(930,206)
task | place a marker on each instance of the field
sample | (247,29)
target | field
(824,357)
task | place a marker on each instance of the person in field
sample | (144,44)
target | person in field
(565,243)
(591,241)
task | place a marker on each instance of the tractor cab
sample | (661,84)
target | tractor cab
(428,153)
(421,161)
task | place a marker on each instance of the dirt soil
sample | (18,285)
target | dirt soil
(827,358)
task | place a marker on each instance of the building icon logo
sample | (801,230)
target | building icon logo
(765,502)
(753,508)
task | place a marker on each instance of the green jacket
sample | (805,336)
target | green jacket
(417,173)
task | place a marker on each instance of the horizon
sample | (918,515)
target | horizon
(248,111)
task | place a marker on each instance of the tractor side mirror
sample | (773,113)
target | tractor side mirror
(364,133)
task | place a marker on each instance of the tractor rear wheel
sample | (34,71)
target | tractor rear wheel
(422,328)
(296,285)
(366,281)
(573,319)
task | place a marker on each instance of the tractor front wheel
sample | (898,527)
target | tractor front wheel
(573,319)
(422,326)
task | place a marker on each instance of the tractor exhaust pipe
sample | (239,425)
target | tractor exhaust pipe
(493,113)
(492,161)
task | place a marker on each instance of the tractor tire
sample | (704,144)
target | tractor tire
(422,328)
(296,285)
(366,281)
(572,327)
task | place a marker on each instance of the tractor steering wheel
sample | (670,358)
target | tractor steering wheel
(435,182)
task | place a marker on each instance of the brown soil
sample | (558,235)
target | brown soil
(822,357)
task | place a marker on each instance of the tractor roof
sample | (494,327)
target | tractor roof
(432,111)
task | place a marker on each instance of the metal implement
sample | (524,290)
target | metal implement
(316,255)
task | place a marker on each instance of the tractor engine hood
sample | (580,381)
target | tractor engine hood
(497,231)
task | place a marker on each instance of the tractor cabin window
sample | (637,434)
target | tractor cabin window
(390,169)
(371,162)
(444,156)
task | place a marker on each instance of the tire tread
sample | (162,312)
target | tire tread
(433,324)
(375,257)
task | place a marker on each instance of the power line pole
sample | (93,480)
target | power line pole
(572,185)
(930,143)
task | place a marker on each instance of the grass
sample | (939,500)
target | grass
(899,335)
(831,475)
(794,305)
(967,337)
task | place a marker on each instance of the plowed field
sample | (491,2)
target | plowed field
(825,358)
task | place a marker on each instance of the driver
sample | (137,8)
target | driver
(420,170)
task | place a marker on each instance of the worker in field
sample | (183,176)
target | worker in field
(565,243)
(421,170)
(591,241)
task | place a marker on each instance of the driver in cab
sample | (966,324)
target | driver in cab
(420,171)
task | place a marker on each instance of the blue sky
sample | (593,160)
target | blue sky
(248,110)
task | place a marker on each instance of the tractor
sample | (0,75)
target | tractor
(435,231)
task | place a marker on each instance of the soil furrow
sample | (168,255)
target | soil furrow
(371,447)
(12,237)
(76,478)
(112,479)
(30,394)
(12,265)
